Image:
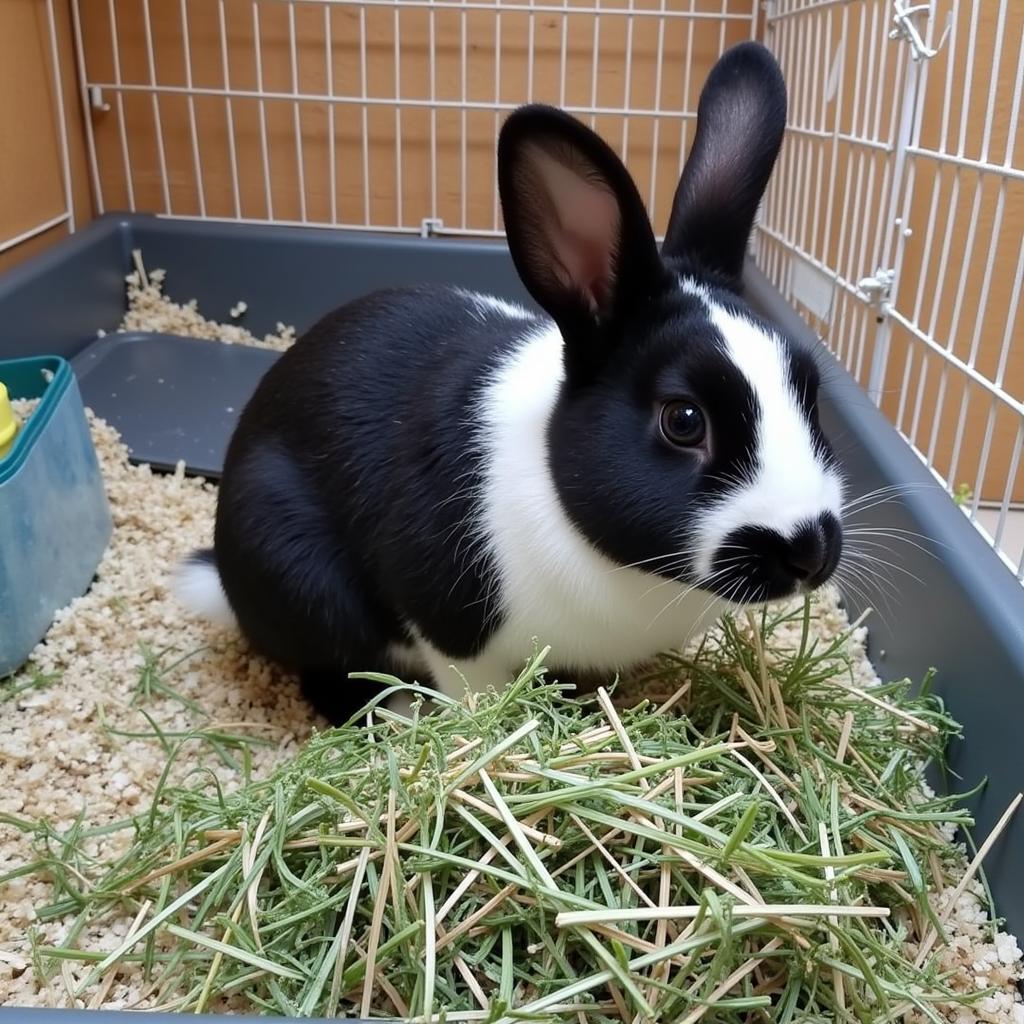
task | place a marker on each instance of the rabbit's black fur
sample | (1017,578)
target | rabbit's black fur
(431,477)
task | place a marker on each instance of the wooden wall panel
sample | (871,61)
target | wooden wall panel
(31,175)
(272,159)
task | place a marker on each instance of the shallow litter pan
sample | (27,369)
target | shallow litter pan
(958,608)
(54,519)
(172,399)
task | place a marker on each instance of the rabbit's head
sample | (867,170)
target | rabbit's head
(685,439)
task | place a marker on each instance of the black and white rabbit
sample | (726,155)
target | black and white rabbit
(430,478)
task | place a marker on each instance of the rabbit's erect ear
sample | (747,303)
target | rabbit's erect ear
(740,122)
(577,228)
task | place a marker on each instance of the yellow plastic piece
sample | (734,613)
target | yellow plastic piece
(8,422)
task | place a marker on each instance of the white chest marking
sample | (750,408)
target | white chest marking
(555,587)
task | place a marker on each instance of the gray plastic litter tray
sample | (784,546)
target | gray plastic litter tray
(175,398)
(172,399)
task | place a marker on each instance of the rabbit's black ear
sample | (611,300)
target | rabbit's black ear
(577,228)
(740,122)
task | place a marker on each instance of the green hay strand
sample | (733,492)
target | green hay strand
(285,894)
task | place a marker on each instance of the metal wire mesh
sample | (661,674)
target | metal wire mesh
(896,225)
(378,114)
(894,221)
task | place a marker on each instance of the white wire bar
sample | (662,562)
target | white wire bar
(37,229)
(378,101)
(517,5)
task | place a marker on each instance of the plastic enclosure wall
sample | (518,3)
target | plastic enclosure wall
(965,617)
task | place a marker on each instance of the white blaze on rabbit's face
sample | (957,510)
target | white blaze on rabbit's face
(794,482)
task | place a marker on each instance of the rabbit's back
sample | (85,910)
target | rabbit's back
(362,446)
(382,376)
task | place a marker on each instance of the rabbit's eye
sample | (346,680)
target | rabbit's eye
(682,424)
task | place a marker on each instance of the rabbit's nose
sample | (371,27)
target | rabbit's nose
(812,553)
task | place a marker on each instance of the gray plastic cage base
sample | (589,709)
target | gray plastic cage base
(171,399)
(965,616)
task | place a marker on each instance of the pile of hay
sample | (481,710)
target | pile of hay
(762,844)
(760,841)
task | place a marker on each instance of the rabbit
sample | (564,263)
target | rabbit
(430,479)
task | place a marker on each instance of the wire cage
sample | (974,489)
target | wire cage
(894,222)
(893,225)
(379,114)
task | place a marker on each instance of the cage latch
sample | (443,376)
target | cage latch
(96,100)
(877,288)
(903,17)
(431,226)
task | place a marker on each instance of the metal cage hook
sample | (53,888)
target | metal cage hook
(903,18)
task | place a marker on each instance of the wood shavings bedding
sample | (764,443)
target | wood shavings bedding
(150,310)
(77,736)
